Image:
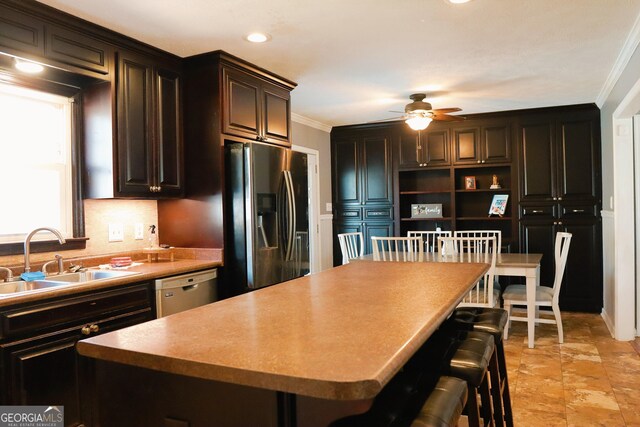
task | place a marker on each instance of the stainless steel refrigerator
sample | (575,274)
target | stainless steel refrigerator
(266,215)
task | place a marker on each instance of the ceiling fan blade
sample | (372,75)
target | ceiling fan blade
(447,118)
(394,111)
(446,110)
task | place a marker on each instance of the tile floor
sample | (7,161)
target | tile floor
(590,380)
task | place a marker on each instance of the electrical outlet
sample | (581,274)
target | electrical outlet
(138,233)
(116,232)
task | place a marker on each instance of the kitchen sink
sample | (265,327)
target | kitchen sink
(87,276)
(21,287)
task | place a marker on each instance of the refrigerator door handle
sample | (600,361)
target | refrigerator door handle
(291,220)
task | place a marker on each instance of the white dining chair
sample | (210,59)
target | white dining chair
(351,246)
(474,249)
(397,248)
(516,295)
(430,238)
(482,233)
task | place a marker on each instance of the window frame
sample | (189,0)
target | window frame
(78,241)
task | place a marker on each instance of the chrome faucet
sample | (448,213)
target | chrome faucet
(9,275)
(58,260)
(27,244)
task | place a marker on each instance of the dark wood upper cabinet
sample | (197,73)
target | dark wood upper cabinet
(26,34)
(145,159)
(255,108)
(537,161)
(149,129)
(560,157)
(486,143)
(423,148)
(77,49)
(496,143)
(169,150)
(346,170)
(362,167)
(20,32)
(377,173)
(578,159)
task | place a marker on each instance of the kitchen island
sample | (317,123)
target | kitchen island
(276,355)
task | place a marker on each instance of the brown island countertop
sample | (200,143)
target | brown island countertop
(339,334)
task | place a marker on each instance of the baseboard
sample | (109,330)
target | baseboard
(608,322)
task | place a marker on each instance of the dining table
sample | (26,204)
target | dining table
(525,265)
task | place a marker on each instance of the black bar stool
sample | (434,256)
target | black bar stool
(444,405)
(472,355)
(492,321)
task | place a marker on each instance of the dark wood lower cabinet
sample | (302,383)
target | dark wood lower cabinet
(43,367)
(384,228)
(582,283)
(44,371)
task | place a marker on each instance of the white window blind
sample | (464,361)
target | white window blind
(36,169)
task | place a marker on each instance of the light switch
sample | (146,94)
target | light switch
(329,207)
(138,233)
(116,232)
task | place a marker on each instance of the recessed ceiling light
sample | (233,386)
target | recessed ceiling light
(258,37)
(28,66)
(458,1)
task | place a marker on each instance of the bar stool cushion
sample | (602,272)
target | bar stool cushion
(444,405)
(482,319)
(471,359)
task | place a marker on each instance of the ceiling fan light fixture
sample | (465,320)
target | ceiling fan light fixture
(418,122)
(458,1)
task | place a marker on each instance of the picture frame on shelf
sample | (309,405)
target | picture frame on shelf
(498,205)
(426,210)
(470,182)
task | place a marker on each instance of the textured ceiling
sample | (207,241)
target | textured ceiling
(354,60)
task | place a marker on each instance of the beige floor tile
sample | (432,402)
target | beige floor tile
(585,416)
(589,380)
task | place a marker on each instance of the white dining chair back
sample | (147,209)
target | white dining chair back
(478,250)
(429,238)
(482,233)
(516,295)
(351,246)
(397,248)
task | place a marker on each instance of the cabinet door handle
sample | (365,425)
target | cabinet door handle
(85,330)
(94,328)
(559,198)
(478,161)
(536,211)
(483,161)
(578,210)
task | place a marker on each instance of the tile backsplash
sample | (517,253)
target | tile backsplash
(98,214)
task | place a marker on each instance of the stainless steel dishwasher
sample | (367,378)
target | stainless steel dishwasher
(179,293)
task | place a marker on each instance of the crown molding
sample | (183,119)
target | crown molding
(310,122)
(628,48)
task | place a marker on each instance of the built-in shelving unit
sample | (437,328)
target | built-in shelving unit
(462,208)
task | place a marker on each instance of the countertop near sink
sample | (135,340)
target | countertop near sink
(148,271)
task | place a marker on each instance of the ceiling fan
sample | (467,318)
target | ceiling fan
(418,114)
